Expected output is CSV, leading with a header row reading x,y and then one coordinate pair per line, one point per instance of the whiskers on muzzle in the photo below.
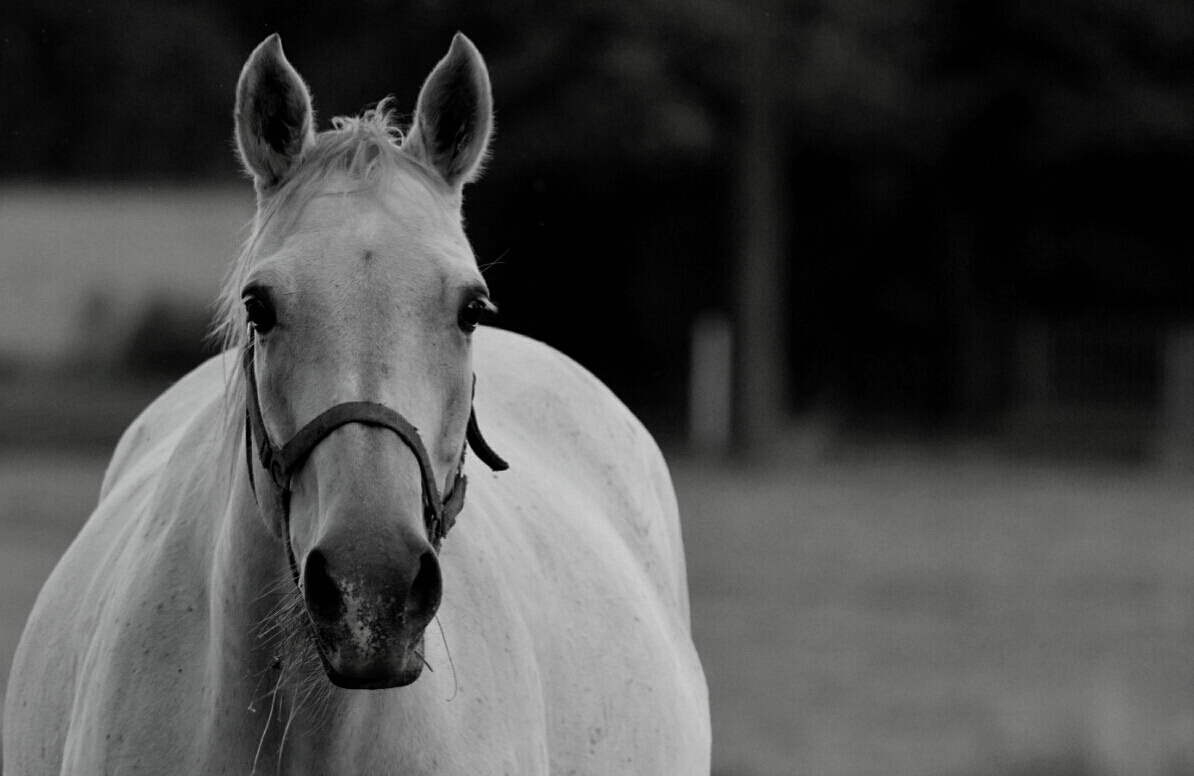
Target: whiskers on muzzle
x,y
294,679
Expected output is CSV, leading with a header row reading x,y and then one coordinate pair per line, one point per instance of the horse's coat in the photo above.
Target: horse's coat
x,y
563,642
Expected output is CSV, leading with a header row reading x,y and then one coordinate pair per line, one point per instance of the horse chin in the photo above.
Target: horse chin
x,y
380,675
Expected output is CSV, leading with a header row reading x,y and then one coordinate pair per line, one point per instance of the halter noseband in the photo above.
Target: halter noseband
x,y
281,462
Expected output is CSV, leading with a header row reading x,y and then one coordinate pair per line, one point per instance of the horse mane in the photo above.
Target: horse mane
x,y
360,147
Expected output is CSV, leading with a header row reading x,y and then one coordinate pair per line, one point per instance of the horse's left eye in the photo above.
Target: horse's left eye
x,y
470,316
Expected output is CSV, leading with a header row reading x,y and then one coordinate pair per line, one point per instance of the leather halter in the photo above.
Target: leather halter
x,y
282,462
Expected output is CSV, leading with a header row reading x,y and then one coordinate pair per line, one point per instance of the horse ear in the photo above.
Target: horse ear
x,y
454,115
274,120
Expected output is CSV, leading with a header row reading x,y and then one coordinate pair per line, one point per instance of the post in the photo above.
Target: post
x,y
1034,364
1175,441
760,353
709,384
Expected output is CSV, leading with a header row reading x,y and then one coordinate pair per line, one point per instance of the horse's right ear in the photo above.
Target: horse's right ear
x,y
274,121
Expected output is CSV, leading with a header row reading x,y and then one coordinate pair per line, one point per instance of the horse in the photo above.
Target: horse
x,y
296,566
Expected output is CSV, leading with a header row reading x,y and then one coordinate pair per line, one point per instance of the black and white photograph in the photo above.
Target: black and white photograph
x,y
652,387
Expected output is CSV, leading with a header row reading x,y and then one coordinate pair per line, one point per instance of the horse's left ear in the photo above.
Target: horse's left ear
x,y
454,116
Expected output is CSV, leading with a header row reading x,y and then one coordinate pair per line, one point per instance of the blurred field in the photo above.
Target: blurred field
x,y
938,614
884,613
66,248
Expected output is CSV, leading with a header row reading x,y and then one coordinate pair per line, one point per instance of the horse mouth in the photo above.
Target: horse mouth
x,y
397,669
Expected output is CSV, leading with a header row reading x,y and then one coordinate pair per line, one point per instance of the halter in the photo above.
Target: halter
x,y
282,462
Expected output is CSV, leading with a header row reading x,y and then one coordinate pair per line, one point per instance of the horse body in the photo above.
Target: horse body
x,y
564,612
175,635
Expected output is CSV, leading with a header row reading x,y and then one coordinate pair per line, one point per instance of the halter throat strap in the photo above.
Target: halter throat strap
x,y
281,462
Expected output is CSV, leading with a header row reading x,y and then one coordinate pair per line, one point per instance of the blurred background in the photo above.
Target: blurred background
x,y
901,286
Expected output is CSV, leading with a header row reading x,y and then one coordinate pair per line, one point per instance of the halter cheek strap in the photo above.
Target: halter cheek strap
x,y
281,463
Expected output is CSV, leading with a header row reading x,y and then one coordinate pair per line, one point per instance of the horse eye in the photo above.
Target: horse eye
x,y
261,313
470,316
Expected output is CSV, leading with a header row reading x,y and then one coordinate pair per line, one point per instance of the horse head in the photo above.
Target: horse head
x,y
359,291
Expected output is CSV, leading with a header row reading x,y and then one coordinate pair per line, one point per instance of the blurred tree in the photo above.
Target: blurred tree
x,y
1043,85
782,74
125,90
953,160
986,91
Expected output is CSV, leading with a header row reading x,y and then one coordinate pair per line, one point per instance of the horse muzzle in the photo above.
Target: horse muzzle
x,y
369,608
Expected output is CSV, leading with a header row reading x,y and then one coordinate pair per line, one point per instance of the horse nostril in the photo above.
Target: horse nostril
x,y
425,590
323,596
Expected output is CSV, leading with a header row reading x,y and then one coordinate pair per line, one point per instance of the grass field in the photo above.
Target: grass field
x,y
884,613
929,614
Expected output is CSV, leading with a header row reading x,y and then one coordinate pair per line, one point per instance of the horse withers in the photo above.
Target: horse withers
x,y
271,581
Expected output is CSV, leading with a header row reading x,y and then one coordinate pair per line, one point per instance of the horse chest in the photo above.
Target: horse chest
x,y
614,679
154,697
560,643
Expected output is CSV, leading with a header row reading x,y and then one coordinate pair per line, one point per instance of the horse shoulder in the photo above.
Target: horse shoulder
x,y
59,650
591,531
543,401
162,422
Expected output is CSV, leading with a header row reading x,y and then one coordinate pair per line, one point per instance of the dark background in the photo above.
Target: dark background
x,y
940,176
950,238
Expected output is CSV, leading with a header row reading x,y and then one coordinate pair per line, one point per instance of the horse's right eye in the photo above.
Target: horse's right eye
x,y
260,312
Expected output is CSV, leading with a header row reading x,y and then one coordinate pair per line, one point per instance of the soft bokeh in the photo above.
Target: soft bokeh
x,y
901,286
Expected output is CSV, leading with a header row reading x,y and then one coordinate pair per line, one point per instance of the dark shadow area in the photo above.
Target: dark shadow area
x,y
958,186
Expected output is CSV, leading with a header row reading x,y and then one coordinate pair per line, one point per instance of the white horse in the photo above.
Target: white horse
x,y
240,605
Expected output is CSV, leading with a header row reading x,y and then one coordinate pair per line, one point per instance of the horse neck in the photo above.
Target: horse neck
x,y
249,569
249,577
